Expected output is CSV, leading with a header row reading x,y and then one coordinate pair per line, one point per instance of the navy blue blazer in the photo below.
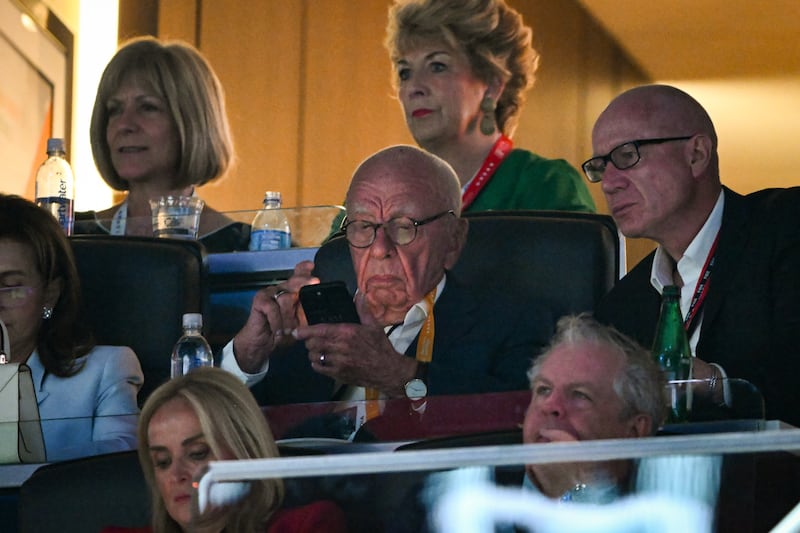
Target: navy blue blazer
x,y
483,343
751,320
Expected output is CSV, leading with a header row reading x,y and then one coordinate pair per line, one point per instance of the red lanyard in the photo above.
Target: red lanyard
x,y
496,156
700,290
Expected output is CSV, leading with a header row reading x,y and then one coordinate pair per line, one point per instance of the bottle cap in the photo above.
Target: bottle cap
x,y
193,320
671,291
272,195
55,144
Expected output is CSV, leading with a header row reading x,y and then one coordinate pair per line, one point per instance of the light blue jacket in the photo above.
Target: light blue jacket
x,y
93,411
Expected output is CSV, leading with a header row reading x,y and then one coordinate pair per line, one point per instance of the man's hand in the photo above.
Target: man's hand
x,y
275,312
357,354
555,479
712,386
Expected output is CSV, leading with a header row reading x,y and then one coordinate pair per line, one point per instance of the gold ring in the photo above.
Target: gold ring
x,y
279,293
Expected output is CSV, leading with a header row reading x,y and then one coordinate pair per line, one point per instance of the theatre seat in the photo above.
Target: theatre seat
x,y
85,495
136,289
564,260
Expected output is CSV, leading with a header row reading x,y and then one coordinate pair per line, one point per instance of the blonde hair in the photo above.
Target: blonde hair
x,y
179,74
233,424
490,33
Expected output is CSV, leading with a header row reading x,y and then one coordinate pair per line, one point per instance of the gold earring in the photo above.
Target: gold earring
x,y
487,124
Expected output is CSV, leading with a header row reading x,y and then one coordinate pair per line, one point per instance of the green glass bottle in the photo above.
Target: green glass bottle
x,y
672,353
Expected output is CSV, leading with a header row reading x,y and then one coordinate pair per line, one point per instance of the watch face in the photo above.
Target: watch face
x,y
416,389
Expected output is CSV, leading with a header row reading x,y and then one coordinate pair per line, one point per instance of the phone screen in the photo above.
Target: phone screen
x,y
328,303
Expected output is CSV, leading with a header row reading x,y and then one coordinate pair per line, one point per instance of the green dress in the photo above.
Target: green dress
x,y
525,180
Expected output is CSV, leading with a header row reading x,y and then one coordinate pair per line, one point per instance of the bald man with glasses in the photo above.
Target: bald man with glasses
x,y
421,332
736,258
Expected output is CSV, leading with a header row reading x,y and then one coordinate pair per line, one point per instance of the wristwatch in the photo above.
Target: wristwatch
x,y
417,388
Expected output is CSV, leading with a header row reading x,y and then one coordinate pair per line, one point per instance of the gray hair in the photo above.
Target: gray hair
x,y
640,385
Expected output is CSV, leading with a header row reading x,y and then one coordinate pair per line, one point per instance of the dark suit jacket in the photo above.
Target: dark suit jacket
x,y
483,343
751,321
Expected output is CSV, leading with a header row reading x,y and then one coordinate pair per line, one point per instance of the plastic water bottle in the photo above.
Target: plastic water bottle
x,y
270,230
55,185
192,350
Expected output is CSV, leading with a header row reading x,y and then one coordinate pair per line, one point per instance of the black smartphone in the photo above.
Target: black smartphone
x,y
328,302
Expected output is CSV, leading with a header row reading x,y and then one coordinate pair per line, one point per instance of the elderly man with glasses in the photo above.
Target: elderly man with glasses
x,y
736,258
421,332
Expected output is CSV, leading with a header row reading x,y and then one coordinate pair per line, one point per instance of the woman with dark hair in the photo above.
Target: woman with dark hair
x,y
86,393
208,415
462,68
159,128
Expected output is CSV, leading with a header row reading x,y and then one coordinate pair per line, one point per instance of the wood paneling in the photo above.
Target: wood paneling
x,y
179,19
137,17
257,52
349,111
309,93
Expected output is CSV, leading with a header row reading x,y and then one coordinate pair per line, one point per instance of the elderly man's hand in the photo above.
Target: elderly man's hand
x,y
275,312
557,479
357,354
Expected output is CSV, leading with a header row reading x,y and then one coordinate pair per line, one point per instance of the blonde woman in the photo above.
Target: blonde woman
x,y
461,70
210,415
159,128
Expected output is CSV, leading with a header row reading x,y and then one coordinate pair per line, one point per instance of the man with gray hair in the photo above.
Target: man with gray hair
x,y
592,382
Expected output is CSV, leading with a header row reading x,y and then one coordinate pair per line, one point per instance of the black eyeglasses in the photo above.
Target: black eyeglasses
x,y
400,230
623,156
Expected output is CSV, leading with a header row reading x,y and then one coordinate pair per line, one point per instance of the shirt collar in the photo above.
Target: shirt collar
x,y
694,258
416,316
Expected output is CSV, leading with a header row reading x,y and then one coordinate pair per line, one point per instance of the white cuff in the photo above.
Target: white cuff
x,y
230,364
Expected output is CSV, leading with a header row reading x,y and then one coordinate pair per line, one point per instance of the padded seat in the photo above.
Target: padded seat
x,y
85,495
135,292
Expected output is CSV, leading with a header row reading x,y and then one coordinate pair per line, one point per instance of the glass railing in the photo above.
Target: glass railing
x,y
310,225
738,481
60,439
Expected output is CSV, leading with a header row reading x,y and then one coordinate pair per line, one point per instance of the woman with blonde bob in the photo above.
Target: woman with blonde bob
x,y
210,415
159,128
461,70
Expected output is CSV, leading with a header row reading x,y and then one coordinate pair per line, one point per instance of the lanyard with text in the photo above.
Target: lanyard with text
x,y
496,156
119,220
691,321
424,344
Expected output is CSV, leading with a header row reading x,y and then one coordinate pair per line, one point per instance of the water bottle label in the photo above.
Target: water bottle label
x,y
269,239
191,362
61,208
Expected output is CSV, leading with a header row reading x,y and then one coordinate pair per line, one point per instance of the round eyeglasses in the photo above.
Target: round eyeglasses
x,y
400,230
623,157
14,296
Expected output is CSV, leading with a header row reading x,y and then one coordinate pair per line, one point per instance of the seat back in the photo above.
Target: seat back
x,y
566,261
85,495
135,291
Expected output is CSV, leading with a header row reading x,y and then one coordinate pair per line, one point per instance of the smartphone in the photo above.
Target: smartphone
x,y
329,303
